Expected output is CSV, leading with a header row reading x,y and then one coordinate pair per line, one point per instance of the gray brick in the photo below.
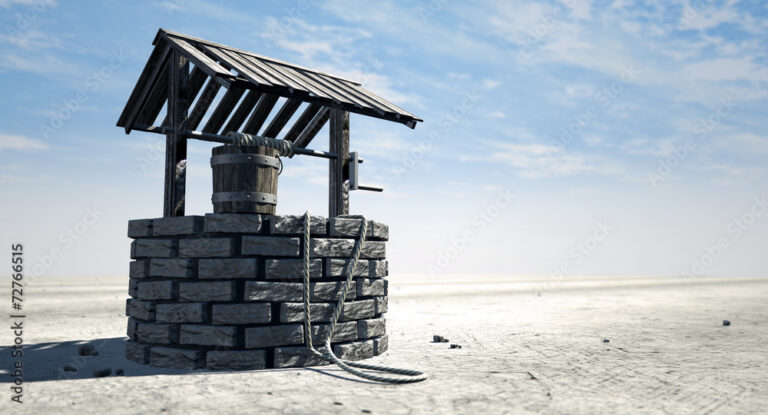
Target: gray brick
x,y
137,352
139,269
371,287
296,356
144,310
232,223
227,268
180,225
207,335
138,228
382,304
270,246
133,286
294,312
235,359
283,335
350,228
172,267
380,269
205,247
172,357
358,310
207,291
337,267
355,350
133,326
292,268
374,327
380,344
342,248
293,292
294,225
252,313
157,248
344,332
157,333
181,313
156,290
320,312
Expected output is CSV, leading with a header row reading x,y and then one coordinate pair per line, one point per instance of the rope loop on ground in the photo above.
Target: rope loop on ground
x,y
405,375
283,147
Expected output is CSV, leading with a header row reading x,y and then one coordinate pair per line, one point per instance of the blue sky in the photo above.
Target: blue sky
x,y
560,138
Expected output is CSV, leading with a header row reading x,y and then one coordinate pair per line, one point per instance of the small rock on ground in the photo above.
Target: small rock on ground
x,y
87,350
726,322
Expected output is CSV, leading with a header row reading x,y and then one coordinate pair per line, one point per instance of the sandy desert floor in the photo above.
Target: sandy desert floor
x,y
528,346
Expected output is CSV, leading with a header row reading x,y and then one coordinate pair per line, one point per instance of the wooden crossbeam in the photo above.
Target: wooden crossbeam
x,y
260,114
137,105
281,118
152,63
222,111
203,103
196,80
242,111
317,123
304,119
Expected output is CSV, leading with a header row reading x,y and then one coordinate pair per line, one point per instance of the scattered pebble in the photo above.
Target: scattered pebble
x,y
87,350
532,376
119,372
338,403
365,411
455,346
69,368
606,341
102,373
726,322
439,339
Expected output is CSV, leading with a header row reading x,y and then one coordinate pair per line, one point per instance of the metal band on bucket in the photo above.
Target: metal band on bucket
x,y
256,197
258,159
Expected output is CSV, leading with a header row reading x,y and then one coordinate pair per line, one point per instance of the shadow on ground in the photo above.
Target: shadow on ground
x,y
61,361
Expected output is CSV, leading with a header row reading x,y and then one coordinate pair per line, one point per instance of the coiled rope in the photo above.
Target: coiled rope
x,y
406,375
283,147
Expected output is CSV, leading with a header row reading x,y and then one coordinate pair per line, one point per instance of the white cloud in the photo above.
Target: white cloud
x,y
31,40
37,3
21,143
535,161
497,114
727,69
491,83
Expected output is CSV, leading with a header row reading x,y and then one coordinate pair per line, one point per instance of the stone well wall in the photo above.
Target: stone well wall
x,y
224,291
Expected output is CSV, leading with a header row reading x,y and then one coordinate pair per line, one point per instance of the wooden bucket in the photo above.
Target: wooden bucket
x,y
244,179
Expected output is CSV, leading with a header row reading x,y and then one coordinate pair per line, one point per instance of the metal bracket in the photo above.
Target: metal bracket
x,y
257,159
256,197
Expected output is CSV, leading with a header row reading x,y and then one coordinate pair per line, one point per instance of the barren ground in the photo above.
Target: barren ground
x,y
668,352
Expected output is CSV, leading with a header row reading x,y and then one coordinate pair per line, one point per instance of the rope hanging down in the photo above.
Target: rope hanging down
x,y
283,147
406,375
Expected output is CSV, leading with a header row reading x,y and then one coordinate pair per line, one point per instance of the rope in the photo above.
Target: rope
x,y
283,147
406,375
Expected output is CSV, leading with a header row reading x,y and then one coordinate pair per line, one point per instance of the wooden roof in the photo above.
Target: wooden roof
x,y
252,86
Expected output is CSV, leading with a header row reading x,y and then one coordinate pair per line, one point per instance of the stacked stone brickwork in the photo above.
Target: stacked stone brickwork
x,y
224,291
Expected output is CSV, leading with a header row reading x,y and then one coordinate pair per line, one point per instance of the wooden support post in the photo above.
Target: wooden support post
x,y
338,187
176,141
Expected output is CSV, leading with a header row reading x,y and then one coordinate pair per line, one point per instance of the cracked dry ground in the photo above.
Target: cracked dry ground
x,y
667,352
